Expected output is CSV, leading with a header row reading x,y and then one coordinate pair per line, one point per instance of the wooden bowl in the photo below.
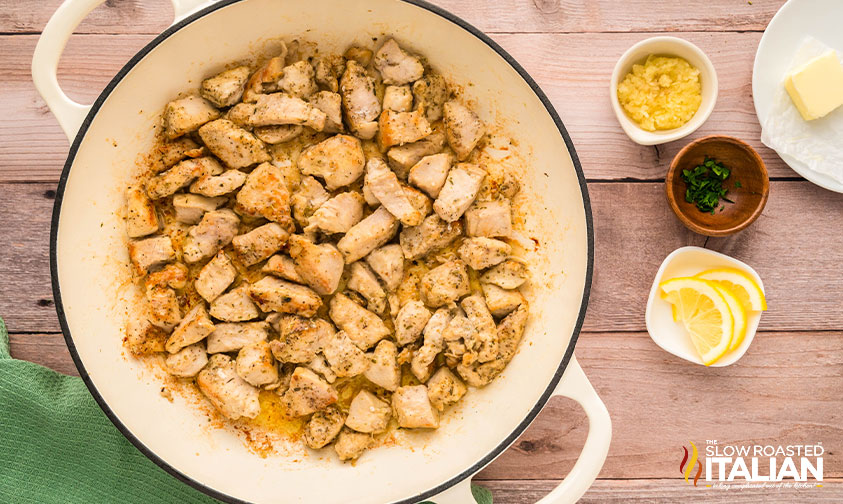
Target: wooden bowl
x,y
746,166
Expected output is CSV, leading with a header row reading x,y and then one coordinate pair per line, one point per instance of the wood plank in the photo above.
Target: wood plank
x,y
49,350
573,69
138,16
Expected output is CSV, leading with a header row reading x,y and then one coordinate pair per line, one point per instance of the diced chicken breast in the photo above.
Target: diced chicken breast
x,y
172,275
509,332
362,326
323,427
307,199
383,369
168,153
226,88
401,158
298,80
338,161
187,362
481,253
281,108
141,218
360,105
459,328
234,306
338,214
396,65
367,413
460,190
230,337
388,263
444,388
410,322
265,79
278,133
351,444
266,195
398,98
260,243
163,307
300,339
215,277
191,207
509,274
444,284
501,301
193,328
321,366
430,172
363,281
143,338
308,393
385,187
187,114
430,93
361,55
181,175
256,365
327,70
273,294
485,341
431,235
331,104
235,146
421,364
418,200
462,128
150,253
345,358
399,128
320,266
214,231
368,234
240,114
284,267
229,393
219,185
413,409
489,218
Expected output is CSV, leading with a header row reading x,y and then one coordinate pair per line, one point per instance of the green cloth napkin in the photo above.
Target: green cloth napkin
x,y
57,446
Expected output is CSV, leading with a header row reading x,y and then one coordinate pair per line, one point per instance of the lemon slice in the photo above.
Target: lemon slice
x,y
704,311
738,314
741,284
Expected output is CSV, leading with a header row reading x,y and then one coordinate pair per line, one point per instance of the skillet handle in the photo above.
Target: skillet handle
x,y
45,59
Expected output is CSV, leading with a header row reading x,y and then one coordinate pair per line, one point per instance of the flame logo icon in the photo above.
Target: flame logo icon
x,y
686,466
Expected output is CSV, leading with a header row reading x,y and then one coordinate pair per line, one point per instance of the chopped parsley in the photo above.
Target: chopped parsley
x,y
705,185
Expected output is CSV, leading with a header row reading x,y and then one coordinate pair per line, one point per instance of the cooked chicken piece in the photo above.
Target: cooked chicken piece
x,y
256,365
337,160
229,393
320,266
272,294
308,393
230,337
430,93
234,306
367,194
350,444
434,342
413,409
509,332
214,231
260,243
360,105
359,54
300,339
298,80
215,277
163,307
235,146
362,326
395,65
501,301
403,157
460,189
226,88
327,70
481,253
150,253
284,267
143,338
219,185
431,235
265,79
186,114
321,366
399,128
489,218
168,153
444,388
265,195
398,98
363,280
410,322
141,218
430,172
172,275
484,344
307,199
463,128
509,274
418,200
285,374
181,175
367,413
191,207
444,284
187,362
345,358
323,427
383,370
338,214
193,328
331,104
459,328
241,114
385,187
388,263
279,133
281,108
368,234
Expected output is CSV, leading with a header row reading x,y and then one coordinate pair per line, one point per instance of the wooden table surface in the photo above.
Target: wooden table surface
x,y
787,389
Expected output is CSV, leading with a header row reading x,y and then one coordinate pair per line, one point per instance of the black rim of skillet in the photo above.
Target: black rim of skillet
x,y
503,444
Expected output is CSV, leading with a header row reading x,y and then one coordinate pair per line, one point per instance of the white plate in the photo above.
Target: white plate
x,y
794,21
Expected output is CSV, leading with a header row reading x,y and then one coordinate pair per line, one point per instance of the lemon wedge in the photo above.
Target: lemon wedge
x,y
704,310
738,314
740,284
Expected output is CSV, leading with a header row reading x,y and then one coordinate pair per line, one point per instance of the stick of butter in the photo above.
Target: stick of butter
x,y
816,87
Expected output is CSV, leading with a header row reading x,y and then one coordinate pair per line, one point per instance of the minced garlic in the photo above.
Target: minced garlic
x,y
663,93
